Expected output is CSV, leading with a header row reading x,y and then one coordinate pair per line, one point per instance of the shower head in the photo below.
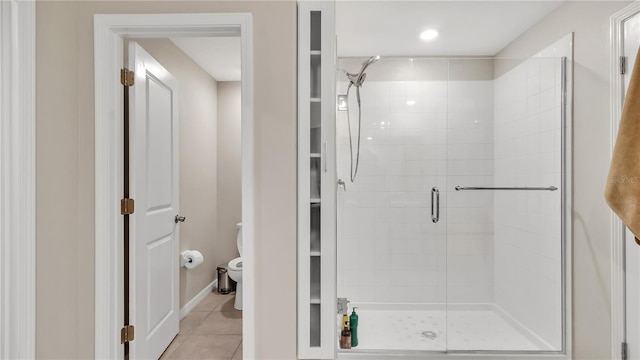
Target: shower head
x,y
370,61
358,78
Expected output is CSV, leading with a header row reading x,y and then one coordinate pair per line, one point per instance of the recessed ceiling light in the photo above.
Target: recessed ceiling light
x,y
429,34
411,102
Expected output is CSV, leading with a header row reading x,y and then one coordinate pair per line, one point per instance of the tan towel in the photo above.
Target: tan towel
x,y
623,185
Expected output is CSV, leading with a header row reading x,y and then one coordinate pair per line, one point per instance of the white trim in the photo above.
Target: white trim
x,y
186,309
108,57
303,273
618,328
108,225
17,180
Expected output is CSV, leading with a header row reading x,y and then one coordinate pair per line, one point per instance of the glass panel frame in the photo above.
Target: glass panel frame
x,y
457,240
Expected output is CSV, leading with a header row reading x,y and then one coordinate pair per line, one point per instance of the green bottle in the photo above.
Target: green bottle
x,y
353,322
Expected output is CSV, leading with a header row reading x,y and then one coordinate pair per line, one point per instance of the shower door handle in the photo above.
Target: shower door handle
x,y
435,204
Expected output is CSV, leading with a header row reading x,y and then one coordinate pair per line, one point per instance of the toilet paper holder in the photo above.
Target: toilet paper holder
x,y
187,259
184,260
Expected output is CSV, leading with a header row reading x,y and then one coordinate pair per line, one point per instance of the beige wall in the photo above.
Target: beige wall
x,y
65,170
198,108
591,240
229,172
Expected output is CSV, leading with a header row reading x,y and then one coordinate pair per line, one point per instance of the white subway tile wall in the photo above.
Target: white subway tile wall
x,y
417,135
470,214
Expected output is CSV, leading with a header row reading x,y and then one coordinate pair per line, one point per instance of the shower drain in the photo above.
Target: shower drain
x,y
429,335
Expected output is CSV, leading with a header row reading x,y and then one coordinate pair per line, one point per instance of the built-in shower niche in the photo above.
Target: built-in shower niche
x,y
315,49
316,30
315,301
315,128
314,178
316,209
315,230
314,330
315,74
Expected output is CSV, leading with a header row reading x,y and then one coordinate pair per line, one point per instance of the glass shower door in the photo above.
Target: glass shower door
x,y
450,237
391,218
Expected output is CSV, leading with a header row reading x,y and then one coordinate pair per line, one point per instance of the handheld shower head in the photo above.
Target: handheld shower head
x,y
370,61
358,78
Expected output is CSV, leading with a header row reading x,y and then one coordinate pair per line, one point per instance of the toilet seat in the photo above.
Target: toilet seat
x,y
239,238
236,264
235,270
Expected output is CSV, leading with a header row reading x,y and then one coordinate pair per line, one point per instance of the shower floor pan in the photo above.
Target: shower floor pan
x,y
464,327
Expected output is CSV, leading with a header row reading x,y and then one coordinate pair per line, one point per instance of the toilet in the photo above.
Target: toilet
x,y
235,270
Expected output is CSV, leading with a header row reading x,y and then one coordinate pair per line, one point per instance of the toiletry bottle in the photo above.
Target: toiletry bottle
x,y
345,322
345,339
353,325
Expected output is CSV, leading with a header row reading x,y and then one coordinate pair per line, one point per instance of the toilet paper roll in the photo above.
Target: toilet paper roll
x,y
192,258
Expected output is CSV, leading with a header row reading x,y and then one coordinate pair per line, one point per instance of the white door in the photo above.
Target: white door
x,y
154,187
632,250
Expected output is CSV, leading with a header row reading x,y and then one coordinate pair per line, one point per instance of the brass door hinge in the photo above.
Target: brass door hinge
x,y
127,206
127,77
127,334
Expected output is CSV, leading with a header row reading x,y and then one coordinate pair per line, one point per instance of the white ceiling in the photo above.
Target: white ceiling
x,y
219,56
467,28
392,28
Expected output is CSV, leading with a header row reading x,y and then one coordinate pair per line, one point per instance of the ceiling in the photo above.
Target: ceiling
x,y
392,28
219,56
467,28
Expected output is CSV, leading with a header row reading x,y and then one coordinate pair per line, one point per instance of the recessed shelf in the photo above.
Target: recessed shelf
x,y
313,260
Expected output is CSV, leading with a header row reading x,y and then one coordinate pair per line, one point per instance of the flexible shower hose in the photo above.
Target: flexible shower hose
x,y
353,172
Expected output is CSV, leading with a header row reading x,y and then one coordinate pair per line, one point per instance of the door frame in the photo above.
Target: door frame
x,y
17,180
109,31
618,229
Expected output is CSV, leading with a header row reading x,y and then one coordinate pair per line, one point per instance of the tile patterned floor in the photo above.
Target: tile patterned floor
x,y
211,331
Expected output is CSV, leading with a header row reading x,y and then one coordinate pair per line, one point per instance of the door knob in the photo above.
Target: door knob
x,y
179,218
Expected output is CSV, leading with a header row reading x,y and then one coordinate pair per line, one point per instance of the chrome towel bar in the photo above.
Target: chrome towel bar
x,y
550,188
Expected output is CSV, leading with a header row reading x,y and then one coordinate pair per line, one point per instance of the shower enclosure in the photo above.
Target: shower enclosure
x,y
451,238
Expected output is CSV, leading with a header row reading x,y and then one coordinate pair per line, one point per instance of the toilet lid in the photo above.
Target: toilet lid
x,y
239,238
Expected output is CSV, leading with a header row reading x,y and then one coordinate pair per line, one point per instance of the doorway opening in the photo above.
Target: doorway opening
x,y
110,34
625,264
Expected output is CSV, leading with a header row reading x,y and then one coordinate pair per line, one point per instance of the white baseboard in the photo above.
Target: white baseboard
x,y
197,299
